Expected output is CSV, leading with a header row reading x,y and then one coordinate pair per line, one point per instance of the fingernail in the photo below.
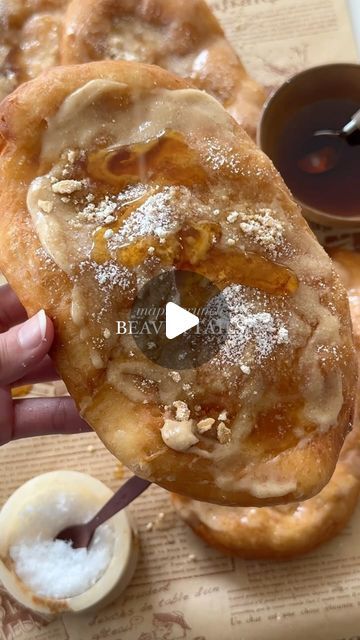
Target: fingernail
x,y
33,332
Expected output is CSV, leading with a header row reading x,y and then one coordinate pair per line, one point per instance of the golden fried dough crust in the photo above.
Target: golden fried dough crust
x,y
347,264
284,531
182,36
30,33
131,149
290,530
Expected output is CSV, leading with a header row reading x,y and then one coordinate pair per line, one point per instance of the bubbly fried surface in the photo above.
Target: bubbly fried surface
x,y
182,36
284,531
30,33
290,530
103,161
347,264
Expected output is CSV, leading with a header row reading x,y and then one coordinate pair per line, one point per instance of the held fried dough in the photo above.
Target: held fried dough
x,y
183,36
30,32
289,530
101,162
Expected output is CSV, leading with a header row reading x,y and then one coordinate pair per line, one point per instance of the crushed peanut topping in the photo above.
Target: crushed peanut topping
x,y
175,375
67,186
233,216
71,156
182,410
223,433
46,205
204,425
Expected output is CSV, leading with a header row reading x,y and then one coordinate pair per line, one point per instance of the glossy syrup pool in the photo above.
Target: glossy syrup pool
x,y
336,191
169,160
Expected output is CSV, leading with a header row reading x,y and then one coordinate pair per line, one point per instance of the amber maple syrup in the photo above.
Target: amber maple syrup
x,y
335,191
169,160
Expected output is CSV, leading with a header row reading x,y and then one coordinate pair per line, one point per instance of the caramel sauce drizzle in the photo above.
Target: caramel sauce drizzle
x,y
168,160
248,269
165,160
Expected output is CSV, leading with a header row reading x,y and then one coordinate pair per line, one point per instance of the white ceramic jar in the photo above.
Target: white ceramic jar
x,y
35,514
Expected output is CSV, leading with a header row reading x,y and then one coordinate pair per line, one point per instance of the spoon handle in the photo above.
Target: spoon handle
x,y
354,124
126,494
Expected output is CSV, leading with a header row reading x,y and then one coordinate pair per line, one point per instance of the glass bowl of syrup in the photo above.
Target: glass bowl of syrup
x,y
324,97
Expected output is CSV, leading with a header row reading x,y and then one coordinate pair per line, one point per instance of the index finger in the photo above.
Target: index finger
x,y
11,310
46,416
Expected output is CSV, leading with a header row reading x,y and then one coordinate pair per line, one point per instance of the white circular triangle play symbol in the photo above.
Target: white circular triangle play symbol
x,y
178,320
166,331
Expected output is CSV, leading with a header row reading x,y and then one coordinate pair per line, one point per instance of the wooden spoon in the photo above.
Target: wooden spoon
x,y
80,535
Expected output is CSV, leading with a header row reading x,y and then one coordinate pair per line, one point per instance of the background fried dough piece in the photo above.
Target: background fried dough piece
x,y
182,36
30,32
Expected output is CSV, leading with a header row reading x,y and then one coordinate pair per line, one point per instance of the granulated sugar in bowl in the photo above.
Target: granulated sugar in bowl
x,y
48,575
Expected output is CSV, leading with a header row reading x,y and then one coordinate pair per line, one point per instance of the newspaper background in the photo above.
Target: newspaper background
x,y
171,595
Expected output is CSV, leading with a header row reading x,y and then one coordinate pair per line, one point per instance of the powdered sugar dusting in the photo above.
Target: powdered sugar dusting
x,y
46,261
111,274
253,332
158,217
220,156
103,212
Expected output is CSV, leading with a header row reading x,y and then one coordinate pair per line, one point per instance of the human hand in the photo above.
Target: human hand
x,y
24,345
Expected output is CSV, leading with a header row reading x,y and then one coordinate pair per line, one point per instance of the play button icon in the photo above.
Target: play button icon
x,y
178,320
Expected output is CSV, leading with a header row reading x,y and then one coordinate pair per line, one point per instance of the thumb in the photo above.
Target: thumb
x,y
24,346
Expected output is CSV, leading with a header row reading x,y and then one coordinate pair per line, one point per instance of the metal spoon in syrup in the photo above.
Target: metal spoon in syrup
x,y
350,132
327,157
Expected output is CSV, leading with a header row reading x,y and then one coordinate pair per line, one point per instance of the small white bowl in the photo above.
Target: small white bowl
x,y
86,493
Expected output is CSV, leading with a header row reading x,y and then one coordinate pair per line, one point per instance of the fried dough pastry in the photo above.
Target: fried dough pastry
x,y
283,531
290,530
348,266
114,172
30,32
182,36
